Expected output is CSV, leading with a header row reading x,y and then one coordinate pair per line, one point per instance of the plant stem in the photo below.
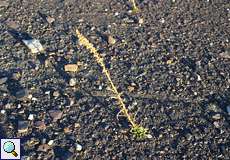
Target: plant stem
x,y
84,41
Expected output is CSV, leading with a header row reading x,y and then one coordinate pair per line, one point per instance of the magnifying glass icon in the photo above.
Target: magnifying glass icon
x,y
9,147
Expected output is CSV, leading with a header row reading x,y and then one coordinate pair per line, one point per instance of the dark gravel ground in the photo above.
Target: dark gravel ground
x,y
171,60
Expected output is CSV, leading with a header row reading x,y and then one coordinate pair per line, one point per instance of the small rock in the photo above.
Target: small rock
x,y
50,143
216,117
71,67
198,77
162,20
3,80
141,21
56,94
216,124
72,82
111,40
50,19
23,126
9,106
34,45
78,147
214,107
100,87
67,130
30,96
4,3
77,125
228,109
31,117
131,88
56,114
149,136
21,93
40,125
12,24
3,111
43,148
225,54
3,88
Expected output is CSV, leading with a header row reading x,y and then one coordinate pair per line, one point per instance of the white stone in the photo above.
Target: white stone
x,y
30,96
50,143
3,111
149,136
198,78
72,82
34,45
162,20
78,147
31,117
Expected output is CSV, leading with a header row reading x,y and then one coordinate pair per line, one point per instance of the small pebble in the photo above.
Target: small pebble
x,y
77,125
4,3
198,78
78,147
47,92
111,40
21,93
3,111
56,94
30,96
50,143
3,80
216,124
149,136
50,19
162,20
8,106
131,88
23,126
225,54
31,117
141,21
228,109
72,82
43,148
216,117
71,68
55,114
40,125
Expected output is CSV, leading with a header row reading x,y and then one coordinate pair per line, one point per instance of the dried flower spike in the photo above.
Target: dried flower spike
x,y
138,131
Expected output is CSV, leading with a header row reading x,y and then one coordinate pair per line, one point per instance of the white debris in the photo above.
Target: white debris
x,y
72,82
50,143
162,20
30,96
3,111
149,136
78,147
31,117
34,45
198,77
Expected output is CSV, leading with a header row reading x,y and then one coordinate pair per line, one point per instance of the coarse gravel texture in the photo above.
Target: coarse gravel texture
x,y
171,61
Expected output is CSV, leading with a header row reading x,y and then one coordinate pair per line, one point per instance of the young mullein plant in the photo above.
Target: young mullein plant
x,y
138,131
135,8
